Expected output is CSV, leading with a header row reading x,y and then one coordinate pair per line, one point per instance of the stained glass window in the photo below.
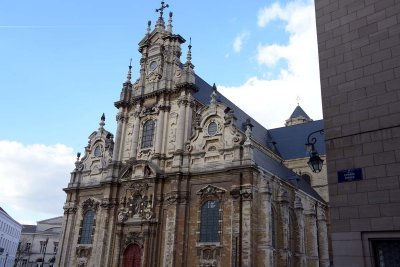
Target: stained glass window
x,y
209,223
87,228
148,134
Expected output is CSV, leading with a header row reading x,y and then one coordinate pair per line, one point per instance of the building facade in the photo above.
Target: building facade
x,y
359,57
10,231
39,243
190,179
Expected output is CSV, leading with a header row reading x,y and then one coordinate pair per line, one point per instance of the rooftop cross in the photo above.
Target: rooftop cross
x,y
161,9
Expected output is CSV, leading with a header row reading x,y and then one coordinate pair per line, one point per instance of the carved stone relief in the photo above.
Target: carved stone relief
x,y
134,237
136,203
90,203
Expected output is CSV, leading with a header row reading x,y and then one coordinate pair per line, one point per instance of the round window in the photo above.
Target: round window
x,y
212,128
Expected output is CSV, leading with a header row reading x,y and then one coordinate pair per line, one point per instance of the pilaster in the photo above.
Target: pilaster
x,y
300,256
135,134
312,238
247,231
322,237
265,249
283,200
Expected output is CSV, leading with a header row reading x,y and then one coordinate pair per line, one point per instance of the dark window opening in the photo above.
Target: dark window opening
x,y
209,223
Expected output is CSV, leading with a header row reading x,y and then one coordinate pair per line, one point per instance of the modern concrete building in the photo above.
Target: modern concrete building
x,y
191,179
10,231
359,56
38,245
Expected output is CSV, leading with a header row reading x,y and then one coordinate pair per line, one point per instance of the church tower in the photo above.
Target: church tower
x,y
190,179
298,116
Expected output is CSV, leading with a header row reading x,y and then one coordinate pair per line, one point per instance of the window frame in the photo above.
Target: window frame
x,y
210,227
87,228
147,139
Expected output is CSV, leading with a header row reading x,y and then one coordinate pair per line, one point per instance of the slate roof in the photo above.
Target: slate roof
x,y
259,133
291,140
299,112
275,139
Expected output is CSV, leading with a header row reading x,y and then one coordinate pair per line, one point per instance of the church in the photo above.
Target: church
x,y
189,179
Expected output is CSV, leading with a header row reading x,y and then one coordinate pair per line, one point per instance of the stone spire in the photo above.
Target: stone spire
x,y
129,75
169,27
189,53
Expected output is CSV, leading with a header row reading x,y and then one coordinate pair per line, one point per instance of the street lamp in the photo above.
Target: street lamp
x,y
315,162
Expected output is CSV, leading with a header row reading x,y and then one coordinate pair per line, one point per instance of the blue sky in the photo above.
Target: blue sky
x,y
62,64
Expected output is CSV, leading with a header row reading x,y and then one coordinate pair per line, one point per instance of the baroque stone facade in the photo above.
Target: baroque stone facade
x,y
190,179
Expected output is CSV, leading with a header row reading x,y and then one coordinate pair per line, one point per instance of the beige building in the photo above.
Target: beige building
x,y
359,57
39,243
190,179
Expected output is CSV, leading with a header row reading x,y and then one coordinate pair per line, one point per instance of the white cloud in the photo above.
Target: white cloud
x,y
32,178
271,101
239,41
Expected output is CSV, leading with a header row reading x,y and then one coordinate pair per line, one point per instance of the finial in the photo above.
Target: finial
x,y
129,76
213,100
102,122
161,9
298,100
148,27
77,162
169,27
189,54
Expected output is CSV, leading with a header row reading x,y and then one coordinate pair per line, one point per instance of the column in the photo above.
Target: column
x,y
117,144
135,134
180,130
160,130
188,119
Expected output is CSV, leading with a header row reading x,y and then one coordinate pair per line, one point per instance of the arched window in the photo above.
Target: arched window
x,y
132,256
87,227
209,222
148,134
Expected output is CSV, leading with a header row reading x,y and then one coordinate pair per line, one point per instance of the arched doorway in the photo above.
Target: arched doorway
x,y
132,256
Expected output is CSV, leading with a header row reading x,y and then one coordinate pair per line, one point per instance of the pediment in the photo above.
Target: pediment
x,y
139,170
211,190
